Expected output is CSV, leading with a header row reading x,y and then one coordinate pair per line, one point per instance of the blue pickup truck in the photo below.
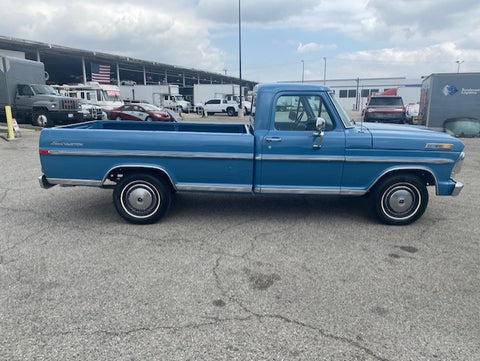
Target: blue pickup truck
x,y
300,142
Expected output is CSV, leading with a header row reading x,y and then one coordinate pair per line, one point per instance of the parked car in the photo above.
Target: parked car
x,y
141,111
385,109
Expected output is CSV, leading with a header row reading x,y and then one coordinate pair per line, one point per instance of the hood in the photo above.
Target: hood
x,y
408,137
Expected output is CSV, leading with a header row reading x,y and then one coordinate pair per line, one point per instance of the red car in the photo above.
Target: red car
x,y
140,111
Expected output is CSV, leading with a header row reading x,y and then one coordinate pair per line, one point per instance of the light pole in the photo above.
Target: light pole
x,y
324,70
458,65
303,71
240,107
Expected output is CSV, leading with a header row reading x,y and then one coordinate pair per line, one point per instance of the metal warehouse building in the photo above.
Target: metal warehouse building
x,y
66,65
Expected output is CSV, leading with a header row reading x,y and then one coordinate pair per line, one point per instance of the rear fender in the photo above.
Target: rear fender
x,y
129,169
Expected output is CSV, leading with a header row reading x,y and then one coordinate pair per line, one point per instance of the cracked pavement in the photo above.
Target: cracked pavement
x,y
233,277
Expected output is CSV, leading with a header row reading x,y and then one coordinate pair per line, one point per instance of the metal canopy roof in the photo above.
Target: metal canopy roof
x,y
69,58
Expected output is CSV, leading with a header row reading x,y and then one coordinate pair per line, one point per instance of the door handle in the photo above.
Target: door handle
x,y
273,139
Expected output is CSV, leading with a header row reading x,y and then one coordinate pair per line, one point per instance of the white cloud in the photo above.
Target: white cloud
x,y
410,62
313,47
146,30
253,11
371,37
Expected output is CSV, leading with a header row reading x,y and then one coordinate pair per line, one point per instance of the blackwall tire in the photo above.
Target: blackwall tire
x,y
400,199
141,198
231,112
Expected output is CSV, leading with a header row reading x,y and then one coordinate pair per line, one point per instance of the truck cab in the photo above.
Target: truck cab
x,y
176,102
45,106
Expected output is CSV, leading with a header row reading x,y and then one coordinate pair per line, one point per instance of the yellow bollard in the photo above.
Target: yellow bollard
x,y
8,112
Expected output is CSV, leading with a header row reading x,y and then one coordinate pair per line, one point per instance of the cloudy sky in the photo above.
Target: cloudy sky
x,y
358,38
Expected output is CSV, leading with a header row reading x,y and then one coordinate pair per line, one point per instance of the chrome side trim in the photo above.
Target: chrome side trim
x,y
155,154
198,187
306,158
310,190
74,182
354,159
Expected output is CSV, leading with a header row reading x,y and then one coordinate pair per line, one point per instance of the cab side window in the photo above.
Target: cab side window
x,y
24,90
300,113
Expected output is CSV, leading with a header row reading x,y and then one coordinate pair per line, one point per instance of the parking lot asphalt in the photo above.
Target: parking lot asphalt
x,y
230,277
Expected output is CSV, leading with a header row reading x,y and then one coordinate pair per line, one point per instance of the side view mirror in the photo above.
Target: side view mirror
x,y
319,132
320,124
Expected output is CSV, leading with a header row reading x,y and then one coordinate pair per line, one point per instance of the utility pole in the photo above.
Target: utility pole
x,y
303,71
458,65
325,71
240,107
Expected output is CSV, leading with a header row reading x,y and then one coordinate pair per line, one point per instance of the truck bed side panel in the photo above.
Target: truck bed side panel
x,y
193,160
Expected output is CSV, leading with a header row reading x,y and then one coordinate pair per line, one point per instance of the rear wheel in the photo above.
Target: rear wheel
x,y
148,119
400,199
141,198
118,117
231,112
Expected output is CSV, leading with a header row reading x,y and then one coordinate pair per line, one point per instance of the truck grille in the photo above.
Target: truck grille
x,y
68,104
96,113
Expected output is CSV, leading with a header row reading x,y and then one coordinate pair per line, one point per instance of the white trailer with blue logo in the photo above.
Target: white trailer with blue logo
x,y
450,102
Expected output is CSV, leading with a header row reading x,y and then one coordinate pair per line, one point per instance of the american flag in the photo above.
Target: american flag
x,y
100,73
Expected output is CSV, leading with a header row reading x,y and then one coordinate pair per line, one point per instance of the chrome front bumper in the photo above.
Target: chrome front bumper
x,y
458,188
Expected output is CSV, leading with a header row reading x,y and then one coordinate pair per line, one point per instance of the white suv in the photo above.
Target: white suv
x,y
213,106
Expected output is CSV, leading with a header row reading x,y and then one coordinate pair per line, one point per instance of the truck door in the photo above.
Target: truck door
x,y
294,157
24,99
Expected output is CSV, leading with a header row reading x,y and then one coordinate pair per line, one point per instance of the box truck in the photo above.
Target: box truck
x,y
450,102
166,96
22,86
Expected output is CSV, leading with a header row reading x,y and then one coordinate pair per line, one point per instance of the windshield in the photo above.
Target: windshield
x,y
386,101
44,89
179,98
151,107
112,95
343,115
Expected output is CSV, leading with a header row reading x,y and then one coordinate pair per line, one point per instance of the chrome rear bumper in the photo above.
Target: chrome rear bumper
x,y
44,182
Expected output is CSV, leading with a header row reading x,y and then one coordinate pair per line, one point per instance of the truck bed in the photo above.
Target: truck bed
x,y
192,154
162,126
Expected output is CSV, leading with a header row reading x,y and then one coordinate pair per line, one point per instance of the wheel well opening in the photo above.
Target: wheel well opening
x,y
424,175
114,176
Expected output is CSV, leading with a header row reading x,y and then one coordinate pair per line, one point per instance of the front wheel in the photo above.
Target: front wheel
x,y
231,112
400,199
41,118
141,198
